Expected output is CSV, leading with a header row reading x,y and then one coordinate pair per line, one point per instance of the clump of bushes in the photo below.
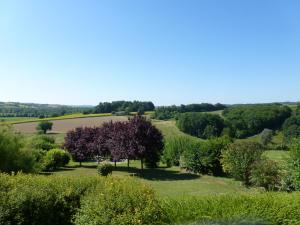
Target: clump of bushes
x,y
121,202
55,159
104,169
202,125
267,208
291,128
43,142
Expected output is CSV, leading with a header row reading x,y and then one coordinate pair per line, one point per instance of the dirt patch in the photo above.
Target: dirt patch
x,y
63,126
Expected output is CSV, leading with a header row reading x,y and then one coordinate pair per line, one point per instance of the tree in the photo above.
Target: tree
x,y
146,141
266,136
78,143
14,154
239,157
294,164
44,126
291,127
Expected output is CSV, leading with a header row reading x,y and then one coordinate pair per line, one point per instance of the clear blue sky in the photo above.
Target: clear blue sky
x,y
167,51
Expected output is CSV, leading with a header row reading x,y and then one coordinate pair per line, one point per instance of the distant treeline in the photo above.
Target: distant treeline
x,y
168,112
247,120
15,109
126,106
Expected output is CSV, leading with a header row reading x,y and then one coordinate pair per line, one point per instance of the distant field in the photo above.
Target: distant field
x,y
64,125
15,119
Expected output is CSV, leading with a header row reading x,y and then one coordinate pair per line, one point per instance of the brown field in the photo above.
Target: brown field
x,y
63,126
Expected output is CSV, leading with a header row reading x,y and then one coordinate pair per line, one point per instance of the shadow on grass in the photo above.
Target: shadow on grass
x,y
157,174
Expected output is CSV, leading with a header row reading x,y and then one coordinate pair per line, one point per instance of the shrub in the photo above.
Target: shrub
x,y
294,164
121,202
202,125
46,200
56,158
104,169
266,208
239,157
14,155
266,173
43,142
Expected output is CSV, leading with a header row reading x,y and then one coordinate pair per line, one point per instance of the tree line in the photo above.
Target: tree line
x,y
168,112
134,139
126,106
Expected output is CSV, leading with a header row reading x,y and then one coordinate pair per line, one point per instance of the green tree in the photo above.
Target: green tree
x,y
239,157
44,126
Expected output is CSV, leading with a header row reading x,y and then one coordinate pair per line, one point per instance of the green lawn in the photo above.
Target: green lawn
x,y
167,182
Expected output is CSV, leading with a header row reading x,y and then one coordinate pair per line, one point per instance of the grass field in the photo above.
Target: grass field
x,y
167,182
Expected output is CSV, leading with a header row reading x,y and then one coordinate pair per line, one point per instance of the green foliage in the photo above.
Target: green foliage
x,y
121,202
44,126
117,106
266,136
205,157
55,158
104,169
202,125
14,155
267,208
43,142
247,120
294,165
41,200
174,149
266,173
291,127
239,157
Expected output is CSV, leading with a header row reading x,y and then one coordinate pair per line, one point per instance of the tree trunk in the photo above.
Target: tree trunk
x,y
115,164
80,163
142,164
128,163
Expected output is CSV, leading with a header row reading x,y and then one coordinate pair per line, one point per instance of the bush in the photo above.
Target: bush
x,y
104,169
294,164
14,155
266,173
121,202
267,208
239,157
41,200
43,142
202,125
56,158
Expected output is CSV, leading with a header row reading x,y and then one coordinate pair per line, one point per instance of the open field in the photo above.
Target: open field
x,y
167,182
63,126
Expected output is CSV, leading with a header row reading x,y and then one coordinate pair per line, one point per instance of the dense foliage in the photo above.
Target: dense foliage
x,y
202,125
205,157
247,120
116,106
236,209
168,112
43,142
14,154
136,138
55,200
15,109
239,158
121,202
291,127
294,165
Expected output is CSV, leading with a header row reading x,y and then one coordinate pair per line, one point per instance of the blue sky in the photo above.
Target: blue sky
x,y
167,51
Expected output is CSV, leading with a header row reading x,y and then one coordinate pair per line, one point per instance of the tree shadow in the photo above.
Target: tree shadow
x,y
159,174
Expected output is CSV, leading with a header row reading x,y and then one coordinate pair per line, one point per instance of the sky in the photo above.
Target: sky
x,y
166,51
